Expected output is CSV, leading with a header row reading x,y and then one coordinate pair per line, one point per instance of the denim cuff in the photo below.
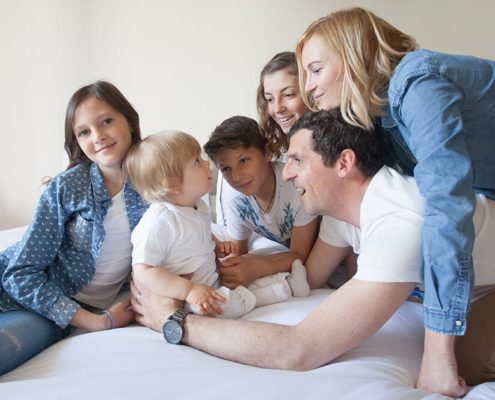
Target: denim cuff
x,y
448,323
63,311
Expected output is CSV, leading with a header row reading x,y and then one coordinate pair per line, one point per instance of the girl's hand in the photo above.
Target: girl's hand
x,y
205,299
223,249
237,271
122,314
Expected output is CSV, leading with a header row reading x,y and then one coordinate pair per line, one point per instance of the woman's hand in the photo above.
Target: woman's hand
x,y
439,367
237,271
206,300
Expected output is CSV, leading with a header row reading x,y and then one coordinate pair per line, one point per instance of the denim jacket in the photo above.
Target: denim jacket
x,y
56,257
440,125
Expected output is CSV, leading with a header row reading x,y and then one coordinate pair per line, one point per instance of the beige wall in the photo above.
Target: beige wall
x,y
183,64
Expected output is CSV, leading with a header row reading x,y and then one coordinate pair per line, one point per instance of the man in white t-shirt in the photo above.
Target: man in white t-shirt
x,y
338,171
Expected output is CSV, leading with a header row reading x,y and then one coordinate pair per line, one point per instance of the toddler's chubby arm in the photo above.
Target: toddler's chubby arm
x,y
167,284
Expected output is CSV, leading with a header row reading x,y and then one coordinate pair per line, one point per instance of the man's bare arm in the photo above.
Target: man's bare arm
x,y
322,261
345,319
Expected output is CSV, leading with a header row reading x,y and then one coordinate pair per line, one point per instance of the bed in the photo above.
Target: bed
x,y
136,363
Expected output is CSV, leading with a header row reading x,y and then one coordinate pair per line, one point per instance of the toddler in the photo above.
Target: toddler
x,y
173,240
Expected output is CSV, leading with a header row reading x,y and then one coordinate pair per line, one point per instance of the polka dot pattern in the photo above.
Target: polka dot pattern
x,y
56,257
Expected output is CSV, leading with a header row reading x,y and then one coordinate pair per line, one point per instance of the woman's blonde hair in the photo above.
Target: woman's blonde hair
x,y
370,49
155,166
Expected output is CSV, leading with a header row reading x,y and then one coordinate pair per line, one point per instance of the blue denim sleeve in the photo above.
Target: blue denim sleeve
x,y
429,108
26,278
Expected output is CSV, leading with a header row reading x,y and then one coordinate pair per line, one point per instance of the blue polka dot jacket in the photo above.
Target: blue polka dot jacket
x,y
56,257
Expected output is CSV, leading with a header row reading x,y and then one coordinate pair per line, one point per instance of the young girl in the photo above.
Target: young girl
x,y
265,205
279,105
435,113
75,256
174,236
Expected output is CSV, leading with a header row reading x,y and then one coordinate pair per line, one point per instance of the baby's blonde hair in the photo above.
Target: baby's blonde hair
x,y
370,49
155,166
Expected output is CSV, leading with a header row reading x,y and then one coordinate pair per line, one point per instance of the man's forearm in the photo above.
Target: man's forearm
x,y
248,342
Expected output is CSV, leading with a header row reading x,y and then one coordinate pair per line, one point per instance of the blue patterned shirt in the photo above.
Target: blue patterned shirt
x,y
244,216
56,257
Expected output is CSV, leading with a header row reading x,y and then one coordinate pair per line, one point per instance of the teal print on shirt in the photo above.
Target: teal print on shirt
x,y
285,228
250,216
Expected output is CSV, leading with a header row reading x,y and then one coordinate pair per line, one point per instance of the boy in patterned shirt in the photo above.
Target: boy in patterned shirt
x,y
265,204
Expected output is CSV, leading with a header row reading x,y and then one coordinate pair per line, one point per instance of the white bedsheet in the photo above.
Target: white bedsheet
x,y
136,363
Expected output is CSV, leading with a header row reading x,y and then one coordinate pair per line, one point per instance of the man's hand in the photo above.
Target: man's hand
x,y
237,271
206,300
151,309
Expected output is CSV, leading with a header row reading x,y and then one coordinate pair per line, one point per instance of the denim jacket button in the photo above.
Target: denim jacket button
x,y
458,323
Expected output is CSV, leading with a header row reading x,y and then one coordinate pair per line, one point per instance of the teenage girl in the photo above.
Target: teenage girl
x,y
75,256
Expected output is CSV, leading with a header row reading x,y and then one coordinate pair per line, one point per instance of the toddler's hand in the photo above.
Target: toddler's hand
x,y
205,299
223,249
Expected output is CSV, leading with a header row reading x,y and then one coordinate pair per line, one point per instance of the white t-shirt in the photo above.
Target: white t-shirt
x,y
114,260
389,243
390,238
177,238
244,215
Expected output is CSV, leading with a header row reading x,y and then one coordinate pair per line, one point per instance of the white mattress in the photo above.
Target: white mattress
x,y
136,363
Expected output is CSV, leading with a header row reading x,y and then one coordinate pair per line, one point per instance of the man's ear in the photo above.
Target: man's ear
x,y
346,162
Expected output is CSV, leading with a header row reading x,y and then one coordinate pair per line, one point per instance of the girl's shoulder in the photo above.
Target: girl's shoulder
x,y
74,179
79,171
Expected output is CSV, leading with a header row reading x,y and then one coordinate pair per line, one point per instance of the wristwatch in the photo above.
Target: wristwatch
x,y
173,328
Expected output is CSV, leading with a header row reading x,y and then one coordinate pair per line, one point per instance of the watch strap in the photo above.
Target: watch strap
x,y
179,315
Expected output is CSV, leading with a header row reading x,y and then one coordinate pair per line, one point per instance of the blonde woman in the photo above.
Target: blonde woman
x,y
436,111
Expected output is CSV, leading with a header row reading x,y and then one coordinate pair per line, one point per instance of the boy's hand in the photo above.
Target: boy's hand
x,y
236,271
223,249
205,299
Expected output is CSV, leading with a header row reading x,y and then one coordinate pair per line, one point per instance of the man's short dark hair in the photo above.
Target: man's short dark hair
x,y
332,135
233,133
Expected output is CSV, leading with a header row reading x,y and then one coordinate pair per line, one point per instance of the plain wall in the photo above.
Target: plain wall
x,y
183,64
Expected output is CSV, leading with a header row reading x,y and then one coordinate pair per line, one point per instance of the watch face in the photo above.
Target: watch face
x,y
172,331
